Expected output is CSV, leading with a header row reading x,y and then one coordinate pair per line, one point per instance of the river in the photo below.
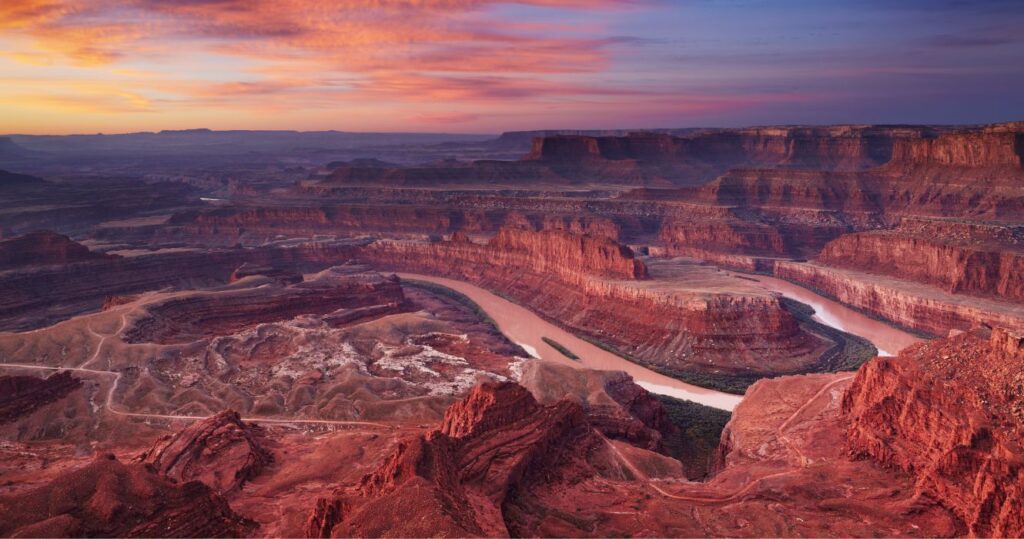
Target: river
x,y
886,338
526,328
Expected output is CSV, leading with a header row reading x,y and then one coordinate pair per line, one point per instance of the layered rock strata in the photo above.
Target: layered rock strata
x,y
950,413
187,316
951,256
597,287
907,303
474,475
220,451
21,395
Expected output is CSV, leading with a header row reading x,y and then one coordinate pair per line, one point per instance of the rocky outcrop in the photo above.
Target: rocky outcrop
x,y
111,499
950,413
43,248
221,451
21,395
722,235
495,451
614,404
327,514
561,254
190,315
566,254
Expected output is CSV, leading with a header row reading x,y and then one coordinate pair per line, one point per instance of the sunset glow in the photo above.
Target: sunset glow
x,y
487,66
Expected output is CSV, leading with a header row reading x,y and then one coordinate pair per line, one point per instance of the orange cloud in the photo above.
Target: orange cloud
x,y
309,53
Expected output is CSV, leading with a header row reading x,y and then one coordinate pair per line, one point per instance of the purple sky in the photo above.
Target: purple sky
x,y
490,66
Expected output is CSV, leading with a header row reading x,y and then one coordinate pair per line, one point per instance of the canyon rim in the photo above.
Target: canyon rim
x,y
511,268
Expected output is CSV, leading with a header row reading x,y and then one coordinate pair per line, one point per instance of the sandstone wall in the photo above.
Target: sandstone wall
x,y
585,284
1000,146
951,414
956,267
934,313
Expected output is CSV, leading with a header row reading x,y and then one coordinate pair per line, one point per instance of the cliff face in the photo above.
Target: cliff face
x,y
722,235
906,303
838,147
994,147
227,226
592,285
220,451
563,252
958,266
950,413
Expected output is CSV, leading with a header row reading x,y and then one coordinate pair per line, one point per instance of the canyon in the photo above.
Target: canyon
x,y
764,331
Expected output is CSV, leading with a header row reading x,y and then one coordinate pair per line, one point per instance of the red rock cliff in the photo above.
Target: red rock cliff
x,y
951,413
991,147
592,285
957,264
563,252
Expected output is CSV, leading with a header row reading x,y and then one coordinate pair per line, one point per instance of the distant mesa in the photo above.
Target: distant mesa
x,y
197,131
44,248
363,162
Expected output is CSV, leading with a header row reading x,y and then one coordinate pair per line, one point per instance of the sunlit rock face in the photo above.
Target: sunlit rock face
x,y
950,413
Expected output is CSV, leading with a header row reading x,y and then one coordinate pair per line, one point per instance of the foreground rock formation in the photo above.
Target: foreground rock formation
x,y
220,451
480,472
110,498
950,413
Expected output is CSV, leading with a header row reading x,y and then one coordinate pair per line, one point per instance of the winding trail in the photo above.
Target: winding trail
x,y
731,497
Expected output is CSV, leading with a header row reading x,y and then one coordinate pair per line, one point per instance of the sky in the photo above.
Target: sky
x,y
487,66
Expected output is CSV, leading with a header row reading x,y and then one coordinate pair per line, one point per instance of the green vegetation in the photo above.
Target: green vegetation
x,y
459,297
696,441
735,384
561,349
848,353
